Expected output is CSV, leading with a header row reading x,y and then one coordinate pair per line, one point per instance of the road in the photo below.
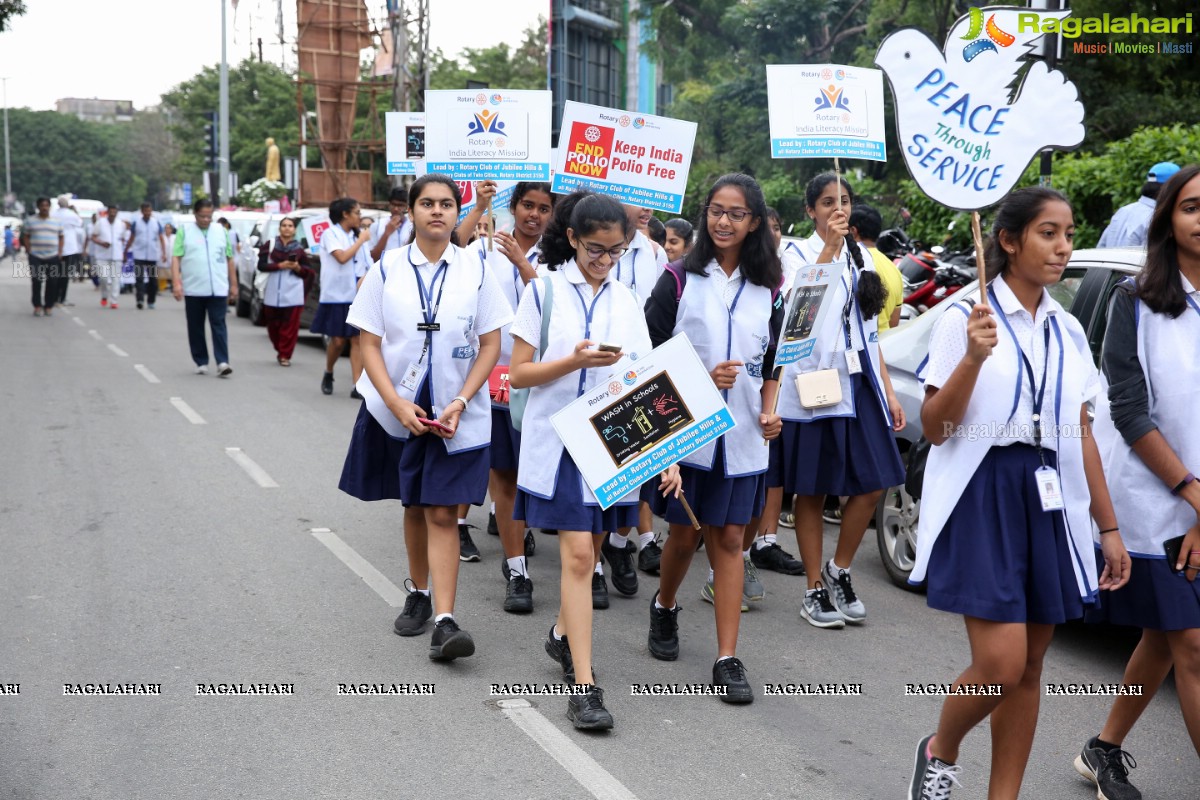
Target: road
x,y
161,527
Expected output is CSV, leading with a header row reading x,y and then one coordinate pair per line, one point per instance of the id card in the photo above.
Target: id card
x,y
412,376
853,364
1049,489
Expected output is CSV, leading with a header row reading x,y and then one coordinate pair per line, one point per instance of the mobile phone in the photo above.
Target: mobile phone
x,y
1172,548
604,347
433,423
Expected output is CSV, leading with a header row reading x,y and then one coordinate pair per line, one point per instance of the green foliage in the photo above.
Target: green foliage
x,y
8,10
499,66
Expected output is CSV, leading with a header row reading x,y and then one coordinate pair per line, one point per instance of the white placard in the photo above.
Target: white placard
x,y
498,134
808,307
825,111
967,130
626,430
640,159
504,190
405,135
314,227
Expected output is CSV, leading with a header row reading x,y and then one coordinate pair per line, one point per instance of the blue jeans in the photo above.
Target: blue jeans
x,y
214,308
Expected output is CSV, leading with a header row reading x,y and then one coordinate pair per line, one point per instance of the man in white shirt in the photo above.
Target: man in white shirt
x,y
396,230
148,244
109,236
72,229
1129,225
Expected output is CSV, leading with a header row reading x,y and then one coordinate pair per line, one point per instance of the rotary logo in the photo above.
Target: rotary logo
x,y
592,134
826,74
481,98
623,121
614,388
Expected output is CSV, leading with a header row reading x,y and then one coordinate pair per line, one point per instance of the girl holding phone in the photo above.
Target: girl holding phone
x,y
724,298
1005,529
430,316
586,305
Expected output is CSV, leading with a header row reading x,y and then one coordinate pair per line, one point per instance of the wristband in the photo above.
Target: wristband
x,y
1183,484
462,400
1109,530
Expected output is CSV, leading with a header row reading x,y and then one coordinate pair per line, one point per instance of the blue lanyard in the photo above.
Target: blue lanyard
x,y
1192,302
1038,391
518,282
587,327
729,327
429,309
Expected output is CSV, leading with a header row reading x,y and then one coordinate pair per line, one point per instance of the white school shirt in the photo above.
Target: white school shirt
x,y
338,281
115,234
399,237
641,266
508,277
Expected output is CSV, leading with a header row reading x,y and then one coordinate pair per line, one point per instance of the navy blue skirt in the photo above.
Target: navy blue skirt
x,y
506,440
417,471
715,499
1000,556
842,456
565,511
774,476
1156,597
330,320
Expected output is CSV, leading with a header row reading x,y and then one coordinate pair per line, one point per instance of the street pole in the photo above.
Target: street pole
x,y
223,125
7,166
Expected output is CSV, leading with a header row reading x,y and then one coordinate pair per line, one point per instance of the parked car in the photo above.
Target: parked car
x,y
1085,289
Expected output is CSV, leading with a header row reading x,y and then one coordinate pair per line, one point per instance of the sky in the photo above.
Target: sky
x,y
138,49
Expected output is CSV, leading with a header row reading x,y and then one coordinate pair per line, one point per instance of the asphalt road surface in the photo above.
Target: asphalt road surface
x,y
161,527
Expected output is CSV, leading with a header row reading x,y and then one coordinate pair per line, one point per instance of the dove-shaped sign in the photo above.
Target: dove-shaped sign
x,y
967,127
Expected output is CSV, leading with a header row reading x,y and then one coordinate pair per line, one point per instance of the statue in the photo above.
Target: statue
x,y
273,173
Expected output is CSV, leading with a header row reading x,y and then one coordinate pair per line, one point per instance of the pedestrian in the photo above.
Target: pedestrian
x,y
202,274
148,244
430,316
1005,529
866,224
679,238
8,241
657,233
840,447
164,265
562,317
513,263
341,268
233,235
109,235
91,250
288,279
1128,226
726,300
395,231
43,238
1150,445
72,245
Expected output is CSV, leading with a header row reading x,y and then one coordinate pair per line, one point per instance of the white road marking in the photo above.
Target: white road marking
x,y
95,335
392,594
582,767
78,322
252,469
118,351
147,374
187,411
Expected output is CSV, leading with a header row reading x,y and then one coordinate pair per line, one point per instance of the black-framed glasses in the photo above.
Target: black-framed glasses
x,y
734,214
594,251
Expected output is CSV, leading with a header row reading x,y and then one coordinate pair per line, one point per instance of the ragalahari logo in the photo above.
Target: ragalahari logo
x,y
832,97
995,36
485,122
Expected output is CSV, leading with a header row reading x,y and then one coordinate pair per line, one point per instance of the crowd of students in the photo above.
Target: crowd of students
x,y
466,352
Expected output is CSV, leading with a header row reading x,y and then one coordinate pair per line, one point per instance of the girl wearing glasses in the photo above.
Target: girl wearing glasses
x,y
724,298
584,306
844,448
430,316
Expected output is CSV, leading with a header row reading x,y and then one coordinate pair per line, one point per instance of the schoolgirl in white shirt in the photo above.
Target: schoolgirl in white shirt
x,y
344,260
513,261
725,298
430,316
586,306
643,262
1151,447
843,449
1005,529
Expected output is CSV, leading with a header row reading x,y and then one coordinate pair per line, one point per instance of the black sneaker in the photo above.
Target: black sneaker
x,y
560,651
354,395
650,558
620,559
776,559
832,511
599,591
550,531
663,641
467,551
493,528
587,711
450,642
1108,770
530,544
418,608
518,595
327,383
731,673
932,778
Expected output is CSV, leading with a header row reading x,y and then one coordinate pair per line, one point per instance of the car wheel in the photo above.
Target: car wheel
x,y
256,311
243,305
896,531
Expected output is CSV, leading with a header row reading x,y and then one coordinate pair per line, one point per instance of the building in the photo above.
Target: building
x,y
95,109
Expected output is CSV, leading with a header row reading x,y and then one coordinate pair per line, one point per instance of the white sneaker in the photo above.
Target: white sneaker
x,y
202,369
841,592
224,370
819,611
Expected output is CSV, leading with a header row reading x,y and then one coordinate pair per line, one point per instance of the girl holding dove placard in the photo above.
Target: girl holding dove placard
x,y
724,296
572,329
1005,530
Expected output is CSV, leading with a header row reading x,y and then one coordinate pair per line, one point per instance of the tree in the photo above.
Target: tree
x,y
499,66
8,10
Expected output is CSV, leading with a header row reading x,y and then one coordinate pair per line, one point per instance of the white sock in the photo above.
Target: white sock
x,y
710,575
645,539
492,508
617,540
761,542
517,566
660,605
424,592
441,617
746,554
558,637
833,568
462,520
599,568
722,658
769,538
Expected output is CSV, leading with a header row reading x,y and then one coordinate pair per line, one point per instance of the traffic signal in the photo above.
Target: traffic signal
x,y
210,139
